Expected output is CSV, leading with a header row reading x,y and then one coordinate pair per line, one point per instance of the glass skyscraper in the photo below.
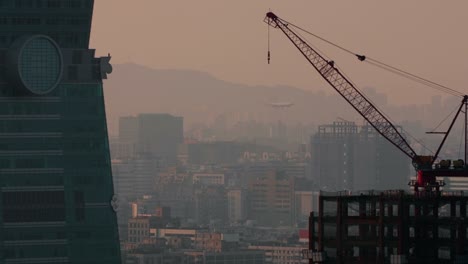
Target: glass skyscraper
x,y
57,202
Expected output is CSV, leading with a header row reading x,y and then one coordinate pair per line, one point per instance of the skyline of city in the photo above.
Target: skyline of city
x,y
215,142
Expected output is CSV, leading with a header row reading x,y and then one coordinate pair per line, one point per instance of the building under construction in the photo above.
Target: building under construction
x,y
389,227
347,156
427,225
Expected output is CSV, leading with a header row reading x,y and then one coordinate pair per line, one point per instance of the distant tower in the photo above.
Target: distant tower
x,y
280,108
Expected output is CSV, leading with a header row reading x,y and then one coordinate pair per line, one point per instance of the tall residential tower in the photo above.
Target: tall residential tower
x,y
346,156
56,195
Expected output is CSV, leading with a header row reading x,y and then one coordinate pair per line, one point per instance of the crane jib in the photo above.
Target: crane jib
x,y
427,173
344,87
327,69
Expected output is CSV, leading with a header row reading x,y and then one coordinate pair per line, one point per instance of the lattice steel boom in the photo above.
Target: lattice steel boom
x,y
345,88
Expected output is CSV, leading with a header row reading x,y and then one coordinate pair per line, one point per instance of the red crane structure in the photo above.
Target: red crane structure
x,y
427,170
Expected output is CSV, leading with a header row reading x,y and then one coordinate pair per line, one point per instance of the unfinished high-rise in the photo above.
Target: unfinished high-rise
x,y
346,156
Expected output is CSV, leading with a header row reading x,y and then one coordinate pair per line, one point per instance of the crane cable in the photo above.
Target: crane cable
x,y
445,119
361,58
385,66
268,54
414,78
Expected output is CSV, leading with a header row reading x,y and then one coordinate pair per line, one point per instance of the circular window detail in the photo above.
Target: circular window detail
x,y
37,63
40,64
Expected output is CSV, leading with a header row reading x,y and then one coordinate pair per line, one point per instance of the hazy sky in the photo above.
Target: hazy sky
x,y
229,40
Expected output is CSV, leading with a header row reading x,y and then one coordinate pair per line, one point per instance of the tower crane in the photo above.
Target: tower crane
x,y
427,170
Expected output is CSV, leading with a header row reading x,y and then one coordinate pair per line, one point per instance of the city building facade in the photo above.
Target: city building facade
x,y
346,156
208,178
57,199
275,254
304,203
236,205
271,199
153,134
210,204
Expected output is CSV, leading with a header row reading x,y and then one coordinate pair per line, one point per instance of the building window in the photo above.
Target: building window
x,y
40,65
74,3
79,206
96,72
30,163
4,163
53,3
23,3
72,73
77,57
33,206
23,21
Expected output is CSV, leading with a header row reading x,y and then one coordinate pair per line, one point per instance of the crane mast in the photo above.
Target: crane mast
x,y
346,89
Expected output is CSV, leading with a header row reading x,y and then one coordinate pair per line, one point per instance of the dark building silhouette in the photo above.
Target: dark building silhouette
x,y
128,128
153,135
134,178
271,199
210,204
346,156
218,152
56,194
390,227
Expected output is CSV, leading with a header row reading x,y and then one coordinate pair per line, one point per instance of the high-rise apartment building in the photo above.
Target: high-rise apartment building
x,y
271,199
346,156
236,205
304,203
153,135
210,204
56,191
134,178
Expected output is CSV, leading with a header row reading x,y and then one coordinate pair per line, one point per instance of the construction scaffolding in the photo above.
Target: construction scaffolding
x,y
390,227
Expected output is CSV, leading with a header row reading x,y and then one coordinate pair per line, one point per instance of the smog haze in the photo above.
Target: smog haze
x,y
229,40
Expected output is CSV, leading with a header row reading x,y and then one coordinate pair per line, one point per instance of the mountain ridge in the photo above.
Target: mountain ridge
x,y
200,98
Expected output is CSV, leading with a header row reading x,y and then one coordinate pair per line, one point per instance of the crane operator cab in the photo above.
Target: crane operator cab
x,y
427,172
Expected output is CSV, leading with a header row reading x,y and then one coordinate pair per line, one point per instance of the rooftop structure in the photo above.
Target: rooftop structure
x,y
391,227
